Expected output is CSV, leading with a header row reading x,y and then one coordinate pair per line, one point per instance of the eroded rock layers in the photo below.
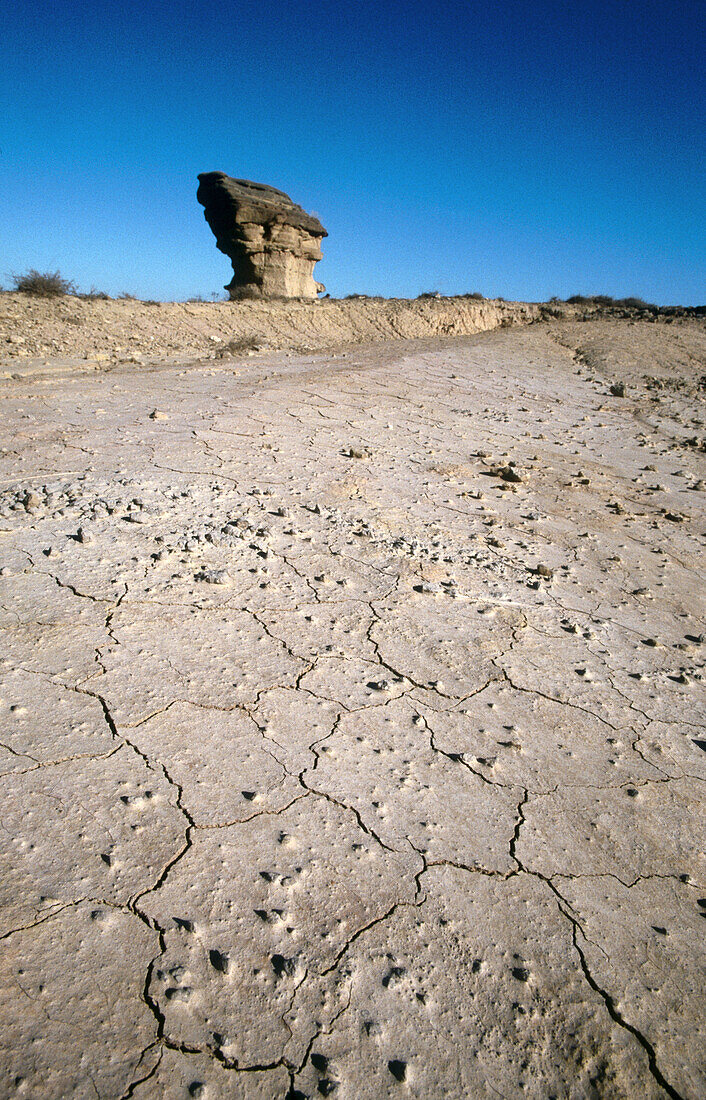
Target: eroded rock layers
x,y
272,243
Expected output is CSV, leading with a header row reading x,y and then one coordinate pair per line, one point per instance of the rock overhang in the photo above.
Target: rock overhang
x,y
272,242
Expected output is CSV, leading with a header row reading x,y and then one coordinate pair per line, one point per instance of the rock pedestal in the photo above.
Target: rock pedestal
x,y
272,243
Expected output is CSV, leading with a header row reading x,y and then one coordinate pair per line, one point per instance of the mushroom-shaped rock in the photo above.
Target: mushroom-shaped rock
x,y
272,243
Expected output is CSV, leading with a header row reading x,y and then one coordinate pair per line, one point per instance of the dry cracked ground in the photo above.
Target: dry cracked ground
x,y
352,720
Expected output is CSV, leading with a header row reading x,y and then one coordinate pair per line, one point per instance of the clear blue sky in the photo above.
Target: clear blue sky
x,y
518,148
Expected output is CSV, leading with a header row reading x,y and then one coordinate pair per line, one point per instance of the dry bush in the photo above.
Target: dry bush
x,y
240,344
591,300
635,303
94,295
43,284
606,301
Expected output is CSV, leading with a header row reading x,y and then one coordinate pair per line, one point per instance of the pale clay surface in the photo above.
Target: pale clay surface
x,y
314,782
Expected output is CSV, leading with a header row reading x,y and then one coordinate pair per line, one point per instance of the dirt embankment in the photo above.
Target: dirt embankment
x,y
126,329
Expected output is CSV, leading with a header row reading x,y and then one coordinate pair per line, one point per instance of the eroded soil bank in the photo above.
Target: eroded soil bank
x,y
98,331
353,721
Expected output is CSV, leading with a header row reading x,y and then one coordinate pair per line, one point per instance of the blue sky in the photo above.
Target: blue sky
x,y
522,149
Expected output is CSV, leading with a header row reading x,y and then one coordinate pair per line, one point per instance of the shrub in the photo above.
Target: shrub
x,y
240,344
47,284
429,294
606,300
476,296
635,303
133,298
95,295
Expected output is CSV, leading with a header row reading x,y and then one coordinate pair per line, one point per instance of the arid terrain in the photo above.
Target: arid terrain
x,y
353,701
88,334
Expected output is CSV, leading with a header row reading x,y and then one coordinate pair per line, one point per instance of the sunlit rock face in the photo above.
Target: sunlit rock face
x,y
272,243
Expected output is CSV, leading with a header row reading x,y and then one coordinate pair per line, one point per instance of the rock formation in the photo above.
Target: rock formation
x,y
272,243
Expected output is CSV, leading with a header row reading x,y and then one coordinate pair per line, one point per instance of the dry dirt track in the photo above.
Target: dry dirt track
x,y
335,762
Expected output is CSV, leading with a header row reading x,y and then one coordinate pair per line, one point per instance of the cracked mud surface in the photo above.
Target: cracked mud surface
x,y
352,723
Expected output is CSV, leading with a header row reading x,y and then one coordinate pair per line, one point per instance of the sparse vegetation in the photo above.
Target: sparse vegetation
x,y
636,303
43,284
240,344
429,294
606,300
94,295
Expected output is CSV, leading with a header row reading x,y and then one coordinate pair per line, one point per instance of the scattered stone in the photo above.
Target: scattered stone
x,y
295,788
398,1069
507,473
212,576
